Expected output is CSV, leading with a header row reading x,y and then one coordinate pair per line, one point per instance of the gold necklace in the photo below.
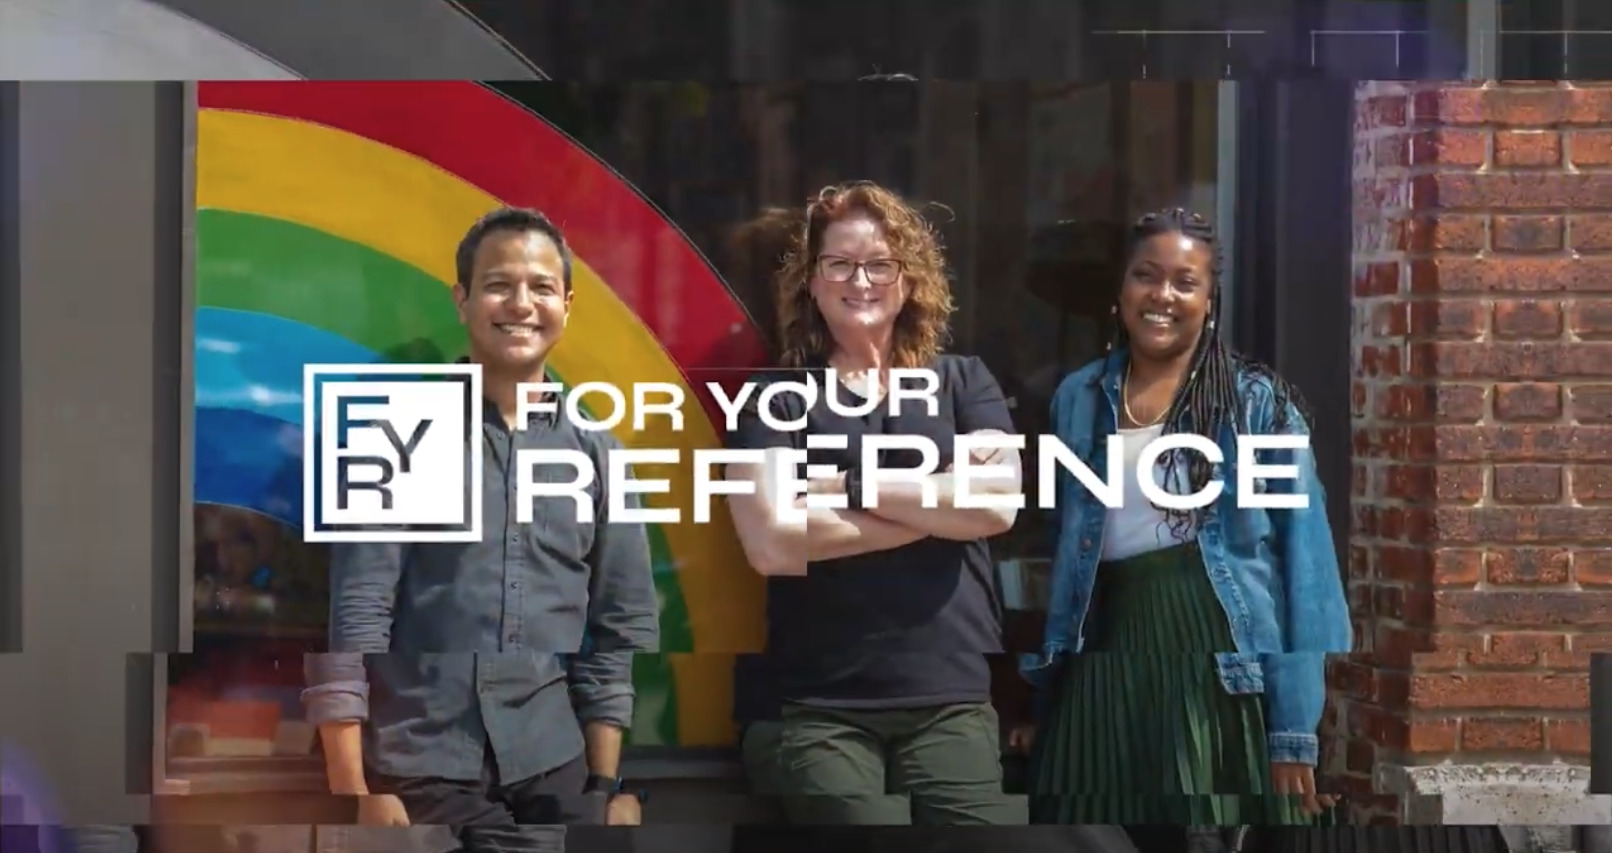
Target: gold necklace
x,y
1125,402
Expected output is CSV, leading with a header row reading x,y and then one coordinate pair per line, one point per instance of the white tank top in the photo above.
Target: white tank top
x,y
1137,526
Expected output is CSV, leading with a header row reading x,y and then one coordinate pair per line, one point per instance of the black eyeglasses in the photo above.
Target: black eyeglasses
x,y
881,271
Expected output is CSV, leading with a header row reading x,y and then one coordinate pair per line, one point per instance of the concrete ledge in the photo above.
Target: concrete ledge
x,y
1537,805
1506,794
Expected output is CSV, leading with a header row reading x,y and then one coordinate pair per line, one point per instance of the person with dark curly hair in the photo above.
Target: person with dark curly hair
x,y
881,614
1181,678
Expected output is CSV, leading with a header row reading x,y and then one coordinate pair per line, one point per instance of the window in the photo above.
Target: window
x,y
1039,181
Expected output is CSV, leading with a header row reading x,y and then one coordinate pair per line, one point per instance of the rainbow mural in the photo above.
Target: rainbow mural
x,y
327,218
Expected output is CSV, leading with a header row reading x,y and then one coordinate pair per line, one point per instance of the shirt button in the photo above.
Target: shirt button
x,y
1085,543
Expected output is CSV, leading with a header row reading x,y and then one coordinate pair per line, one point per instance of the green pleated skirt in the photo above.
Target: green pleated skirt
x,y
1140,730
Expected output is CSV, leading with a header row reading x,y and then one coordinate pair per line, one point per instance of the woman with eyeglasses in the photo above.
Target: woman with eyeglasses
x,y
882,616
1182,673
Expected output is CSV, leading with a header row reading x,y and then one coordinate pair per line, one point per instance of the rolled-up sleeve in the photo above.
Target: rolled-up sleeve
x,y
363,589
623,615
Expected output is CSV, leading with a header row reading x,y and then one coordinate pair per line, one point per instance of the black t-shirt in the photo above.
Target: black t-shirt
x,y
755,685
904,628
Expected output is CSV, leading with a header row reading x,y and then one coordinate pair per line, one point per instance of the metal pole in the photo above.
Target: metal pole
x,y
1601,724
1482,39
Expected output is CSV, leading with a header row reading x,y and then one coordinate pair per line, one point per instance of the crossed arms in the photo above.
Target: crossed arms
x,y
780,546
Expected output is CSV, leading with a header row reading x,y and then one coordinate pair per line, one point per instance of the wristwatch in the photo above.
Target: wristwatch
x,y
610,785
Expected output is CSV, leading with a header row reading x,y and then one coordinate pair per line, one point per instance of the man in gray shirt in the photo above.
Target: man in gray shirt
x,y
486,686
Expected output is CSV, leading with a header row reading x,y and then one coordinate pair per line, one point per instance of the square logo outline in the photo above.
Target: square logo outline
x,y
468,376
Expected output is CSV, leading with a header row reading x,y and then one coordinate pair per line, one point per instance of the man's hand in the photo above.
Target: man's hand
x,y
624,810
381,810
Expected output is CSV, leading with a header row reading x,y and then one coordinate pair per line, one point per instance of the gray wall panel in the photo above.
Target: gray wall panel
x,y
119,40
365,39
97,234
10,394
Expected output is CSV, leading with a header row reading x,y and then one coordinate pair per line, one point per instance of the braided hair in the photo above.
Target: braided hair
x,y
1209,399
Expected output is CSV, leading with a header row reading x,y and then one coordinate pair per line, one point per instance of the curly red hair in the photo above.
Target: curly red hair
x,y
922,327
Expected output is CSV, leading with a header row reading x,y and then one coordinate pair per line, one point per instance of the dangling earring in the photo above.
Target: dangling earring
x,y
1113,319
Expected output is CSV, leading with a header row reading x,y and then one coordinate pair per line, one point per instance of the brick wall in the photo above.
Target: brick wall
x,y
1482,404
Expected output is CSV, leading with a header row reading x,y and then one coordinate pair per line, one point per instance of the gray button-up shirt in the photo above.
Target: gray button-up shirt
x,y
512,642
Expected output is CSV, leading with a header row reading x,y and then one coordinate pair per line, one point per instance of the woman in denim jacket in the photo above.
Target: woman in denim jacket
x,y
1184,649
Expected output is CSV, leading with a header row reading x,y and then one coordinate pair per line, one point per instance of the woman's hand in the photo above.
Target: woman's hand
x,y
1021,737
1298,780
990,455
834,485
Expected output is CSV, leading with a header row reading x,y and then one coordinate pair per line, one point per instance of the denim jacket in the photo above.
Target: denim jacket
x,y
1275,571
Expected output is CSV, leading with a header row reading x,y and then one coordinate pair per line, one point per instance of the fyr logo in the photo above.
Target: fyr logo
x,y
391,453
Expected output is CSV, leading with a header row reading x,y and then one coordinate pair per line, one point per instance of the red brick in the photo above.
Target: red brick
x,y
1519,275
1412,604
1509,524
1527,148
1457,566
1592,567
1376,279
1521,443
1557,608
1396,646
1529,107
1446,403
1379,193
1590,104
1483,689
1591,148
1591,642
1474,191
1592,484
1401,563
1381,361
1568,737
1528,401
1528,484
1516,650
1526,360
1453,232
1388,318
1527,233
1381,112
1428,736
1527,566
1545,105
1449,147
1568,660
1548,607
1450,105
1482,410
1591,403
1502,734
1527,318
1591,232
1590,318
1448,319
